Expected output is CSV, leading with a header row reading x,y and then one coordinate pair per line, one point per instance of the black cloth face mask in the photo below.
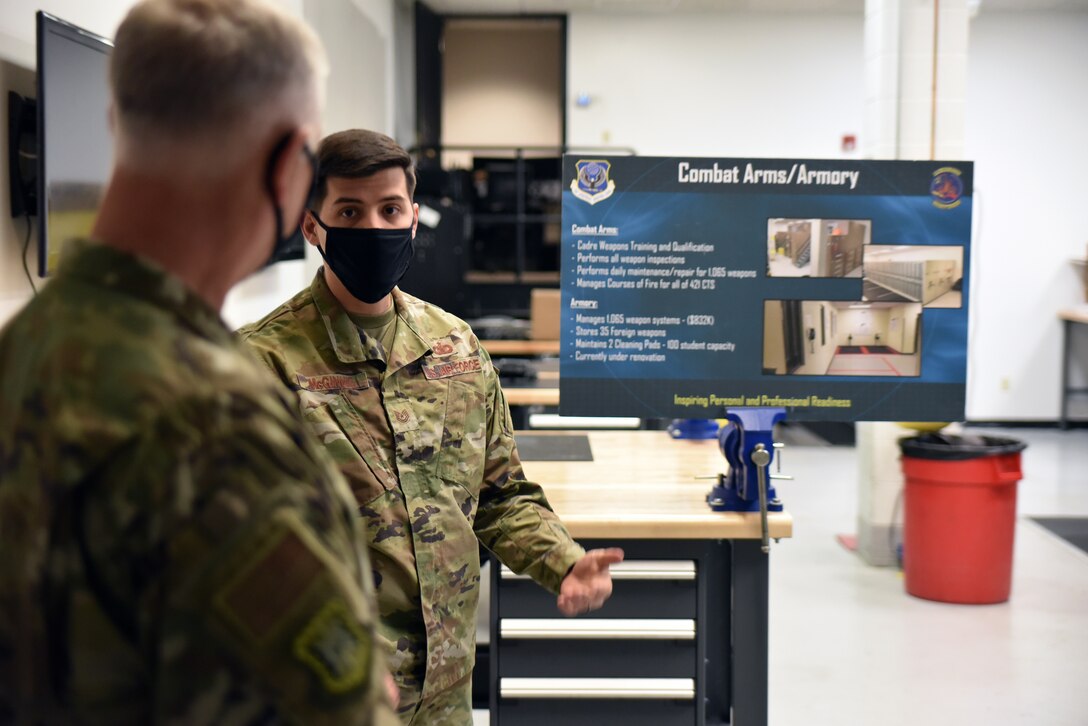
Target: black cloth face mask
x,y
286,243
369,261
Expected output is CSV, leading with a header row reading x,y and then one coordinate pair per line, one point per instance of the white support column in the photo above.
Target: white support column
x,y
916,90
880,481
916,78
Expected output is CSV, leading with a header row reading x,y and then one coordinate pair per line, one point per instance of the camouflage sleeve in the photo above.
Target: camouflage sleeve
x,y
514,519
244,556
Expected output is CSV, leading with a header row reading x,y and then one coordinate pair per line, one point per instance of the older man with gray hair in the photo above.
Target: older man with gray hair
x,y
176,548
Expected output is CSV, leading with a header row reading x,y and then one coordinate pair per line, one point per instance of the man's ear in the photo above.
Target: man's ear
x,y
290,172
415,219
310,229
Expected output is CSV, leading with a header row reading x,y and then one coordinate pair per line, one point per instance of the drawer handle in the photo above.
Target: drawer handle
x,y
615,688
677,570
593,629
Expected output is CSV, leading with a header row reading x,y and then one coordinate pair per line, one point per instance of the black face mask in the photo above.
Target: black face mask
x,y
284,244
370,262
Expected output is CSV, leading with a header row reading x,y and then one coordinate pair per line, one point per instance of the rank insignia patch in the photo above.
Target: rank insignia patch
x,y
442,348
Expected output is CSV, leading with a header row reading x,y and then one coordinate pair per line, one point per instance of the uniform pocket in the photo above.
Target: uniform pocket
x,y
351,447
464,437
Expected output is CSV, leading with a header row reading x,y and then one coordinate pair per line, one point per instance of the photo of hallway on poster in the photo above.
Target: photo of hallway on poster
x,y
841,338
816,247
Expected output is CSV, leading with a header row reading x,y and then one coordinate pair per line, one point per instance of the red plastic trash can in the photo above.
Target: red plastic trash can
x,y
959,515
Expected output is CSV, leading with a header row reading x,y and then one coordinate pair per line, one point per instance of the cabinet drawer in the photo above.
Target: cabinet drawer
x,y
596,629
675,570
640,589
588,659
597,701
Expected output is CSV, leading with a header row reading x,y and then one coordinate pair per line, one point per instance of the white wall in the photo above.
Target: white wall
x,y
17,24
717,84
358,35
14,287
1026,111
18,28
859,326
17,61
752,84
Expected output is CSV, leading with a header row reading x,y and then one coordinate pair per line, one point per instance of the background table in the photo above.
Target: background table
x,y
1069,316
496,348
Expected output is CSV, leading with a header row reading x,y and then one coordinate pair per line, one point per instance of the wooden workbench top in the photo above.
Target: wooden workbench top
x,y
642,485
520,347
1077,314
542,396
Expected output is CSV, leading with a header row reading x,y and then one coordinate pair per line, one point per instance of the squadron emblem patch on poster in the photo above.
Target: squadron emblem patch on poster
x,y
591,184
946,188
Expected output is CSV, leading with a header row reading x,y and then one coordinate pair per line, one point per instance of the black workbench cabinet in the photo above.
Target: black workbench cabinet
x,y
658,653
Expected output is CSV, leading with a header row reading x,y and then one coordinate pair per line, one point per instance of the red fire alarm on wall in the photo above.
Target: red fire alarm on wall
x,y
849,142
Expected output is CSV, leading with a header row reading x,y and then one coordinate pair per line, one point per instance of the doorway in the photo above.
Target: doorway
x,y
793,334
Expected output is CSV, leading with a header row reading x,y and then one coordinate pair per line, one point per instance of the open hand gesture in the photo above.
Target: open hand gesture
x,y
589,583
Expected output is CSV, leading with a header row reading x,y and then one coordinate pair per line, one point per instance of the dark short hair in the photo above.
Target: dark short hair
x,y
357,153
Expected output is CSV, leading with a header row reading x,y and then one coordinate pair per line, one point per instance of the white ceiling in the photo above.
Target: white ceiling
x,y
516,7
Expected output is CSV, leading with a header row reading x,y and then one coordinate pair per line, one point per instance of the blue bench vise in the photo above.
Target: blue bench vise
x,y
747,442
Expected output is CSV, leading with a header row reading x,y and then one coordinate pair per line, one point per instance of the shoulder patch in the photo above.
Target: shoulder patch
x,y
332,382
445,369
261,595
336,648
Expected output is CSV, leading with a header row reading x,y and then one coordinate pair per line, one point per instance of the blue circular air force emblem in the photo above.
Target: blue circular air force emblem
x,y
591,183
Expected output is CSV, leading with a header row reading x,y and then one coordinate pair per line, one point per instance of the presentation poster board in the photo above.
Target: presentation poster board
x,y
837,289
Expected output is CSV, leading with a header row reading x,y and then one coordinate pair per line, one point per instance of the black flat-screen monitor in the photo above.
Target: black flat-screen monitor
x,y
75,148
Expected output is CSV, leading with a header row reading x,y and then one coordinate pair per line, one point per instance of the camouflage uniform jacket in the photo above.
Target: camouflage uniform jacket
x,y
176,547
425,439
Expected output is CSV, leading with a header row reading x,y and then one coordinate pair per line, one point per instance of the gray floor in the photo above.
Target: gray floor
x,y
849,646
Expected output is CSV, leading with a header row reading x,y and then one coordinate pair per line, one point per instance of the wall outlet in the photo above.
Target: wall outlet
x,y
1005,385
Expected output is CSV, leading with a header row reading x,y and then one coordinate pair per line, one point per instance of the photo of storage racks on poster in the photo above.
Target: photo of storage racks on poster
x,y
837,289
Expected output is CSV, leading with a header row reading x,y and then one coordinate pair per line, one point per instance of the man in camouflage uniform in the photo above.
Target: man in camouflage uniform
x,y
407,402
176,548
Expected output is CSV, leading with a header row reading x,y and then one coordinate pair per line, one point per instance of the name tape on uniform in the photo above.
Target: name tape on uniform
x,y
332,382
451,368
